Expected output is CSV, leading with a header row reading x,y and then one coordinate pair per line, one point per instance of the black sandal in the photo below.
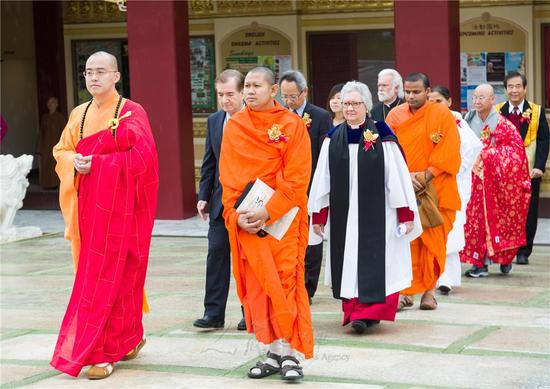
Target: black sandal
x,y
265,368
297,368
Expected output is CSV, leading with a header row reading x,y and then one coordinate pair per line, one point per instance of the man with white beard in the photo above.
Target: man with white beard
x,y
390,94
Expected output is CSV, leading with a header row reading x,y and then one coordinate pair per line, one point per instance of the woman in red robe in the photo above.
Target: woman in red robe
x,y
496,213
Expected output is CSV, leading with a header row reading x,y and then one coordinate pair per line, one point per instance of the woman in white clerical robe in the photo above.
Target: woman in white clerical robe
x,y
470,147
362,197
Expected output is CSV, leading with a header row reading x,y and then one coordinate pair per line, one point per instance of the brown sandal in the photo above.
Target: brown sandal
x,y
98,373
134,353
404,302
428,302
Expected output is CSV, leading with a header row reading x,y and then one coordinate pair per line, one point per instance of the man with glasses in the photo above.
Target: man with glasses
x,y
429,136
318,122
108,168
530,121
497,210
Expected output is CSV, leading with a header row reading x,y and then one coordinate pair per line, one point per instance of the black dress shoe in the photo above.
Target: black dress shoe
x,y
359,326
522,259
371,323
242,325
209,322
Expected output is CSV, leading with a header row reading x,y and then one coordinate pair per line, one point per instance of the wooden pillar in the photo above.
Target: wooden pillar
x,y
427,40
50,54
158,40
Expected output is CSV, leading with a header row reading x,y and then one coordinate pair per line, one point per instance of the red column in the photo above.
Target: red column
x,y
427,40
158,40
50,54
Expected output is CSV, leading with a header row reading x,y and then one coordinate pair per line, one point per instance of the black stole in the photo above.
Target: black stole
x,y
372,214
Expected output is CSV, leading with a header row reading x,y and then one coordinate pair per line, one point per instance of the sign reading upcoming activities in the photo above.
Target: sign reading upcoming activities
x,y
256,46
490,48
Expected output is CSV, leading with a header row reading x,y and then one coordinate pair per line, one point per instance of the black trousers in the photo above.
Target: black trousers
x,y
532,218
218,269
314,258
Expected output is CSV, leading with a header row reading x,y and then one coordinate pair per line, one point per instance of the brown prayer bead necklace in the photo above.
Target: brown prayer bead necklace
x,y
86,111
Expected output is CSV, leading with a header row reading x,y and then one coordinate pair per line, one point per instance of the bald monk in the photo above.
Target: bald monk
x,y
107,165
268,142
429,136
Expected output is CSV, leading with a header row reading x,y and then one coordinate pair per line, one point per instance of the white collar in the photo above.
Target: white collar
x,y
511,106
301,109
393,101
356,126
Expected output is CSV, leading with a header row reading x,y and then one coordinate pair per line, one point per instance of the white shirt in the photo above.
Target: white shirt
x,y
301,109
226,119
511,106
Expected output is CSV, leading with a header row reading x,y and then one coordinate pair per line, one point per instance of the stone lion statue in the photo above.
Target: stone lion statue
x,y
13,186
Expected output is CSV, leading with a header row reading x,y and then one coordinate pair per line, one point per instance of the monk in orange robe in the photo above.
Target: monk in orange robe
x,y
268,142
107,165
430,139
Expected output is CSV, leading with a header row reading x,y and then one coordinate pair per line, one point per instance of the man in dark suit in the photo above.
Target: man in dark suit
x,y
530,120
229,87
318,121
390,94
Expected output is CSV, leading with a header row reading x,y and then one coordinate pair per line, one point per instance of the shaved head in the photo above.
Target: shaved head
x,y
101,74
266,72
111,59
485,89
484,99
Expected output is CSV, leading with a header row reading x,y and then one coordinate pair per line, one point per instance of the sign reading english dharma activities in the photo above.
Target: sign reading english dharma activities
x,y
256,46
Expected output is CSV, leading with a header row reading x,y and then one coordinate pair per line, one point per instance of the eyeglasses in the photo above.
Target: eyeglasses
x,y
99,73
354,104
480,98
291,97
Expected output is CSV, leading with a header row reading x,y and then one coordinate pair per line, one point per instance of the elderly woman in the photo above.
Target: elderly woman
x,y
362,188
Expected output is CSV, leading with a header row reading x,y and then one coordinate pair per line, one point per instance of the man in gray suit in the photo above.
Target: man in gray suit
x,y
229,87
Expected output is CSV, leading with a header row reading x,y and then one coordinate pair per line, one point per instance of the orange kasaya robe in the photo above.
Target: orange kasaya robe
x,y
430,140
97,119
269,274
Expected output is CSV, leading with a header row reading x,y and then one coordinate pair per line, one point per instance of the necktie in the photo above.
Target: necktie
x,y
296,112
515,117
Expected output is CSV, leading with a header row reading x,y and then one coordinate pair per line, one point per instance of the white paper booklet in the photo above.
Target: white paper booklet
x,y
257,197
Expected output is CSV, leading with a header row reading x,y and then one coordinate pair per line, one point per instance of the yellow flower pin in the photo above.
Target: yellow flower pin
x,y
369,139
485,133
276,135
436,137
307,119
